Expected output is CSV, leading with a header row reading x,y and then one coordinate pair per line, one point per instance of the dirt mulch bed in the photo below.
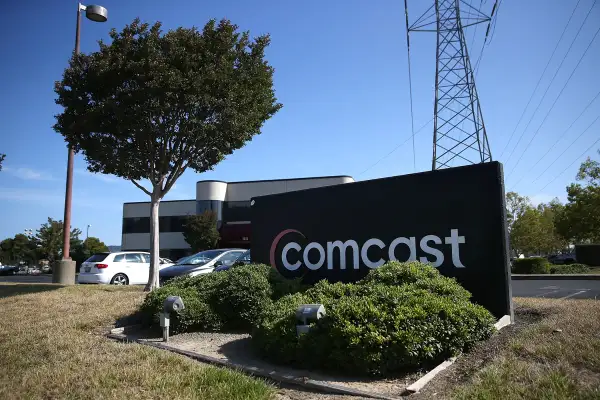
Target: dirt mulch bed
x,y
237,348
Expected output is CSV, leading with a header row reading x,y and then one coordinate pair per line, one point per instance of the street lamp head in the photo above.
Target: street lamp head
x,y
96,13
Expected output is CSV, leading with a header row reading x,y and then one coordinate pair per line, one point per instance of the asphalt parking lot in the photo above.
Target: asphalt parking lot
x,y
43,278
554,289
557,289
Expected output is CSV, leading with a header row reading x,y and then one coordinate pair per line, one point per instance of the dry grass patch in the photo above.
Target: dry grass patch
x,y
557,357
49,350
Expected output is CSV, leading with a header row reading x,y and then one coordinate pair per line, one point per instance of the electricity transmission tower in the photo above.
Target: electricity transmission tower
x,y
458,132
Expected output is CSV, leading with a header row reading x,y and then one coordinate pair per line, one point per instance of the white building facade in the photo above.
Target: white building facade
x,y
229,200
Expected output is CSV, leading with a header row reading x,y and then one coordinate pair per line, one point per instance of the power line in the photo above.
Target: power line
x,y
540,80
561,136
412,118
495,22
493,19
552,80
476,26
396,148
565,150
570,165
556,100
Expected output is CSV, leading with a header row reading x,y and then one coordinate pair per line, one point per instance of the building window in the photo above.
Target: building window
x,y
209,205
172,223
165,224
236,211
136,225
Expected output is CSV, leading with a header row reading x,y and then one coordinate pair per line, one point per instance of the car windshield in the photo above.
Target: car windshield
x,y
202,257
244,257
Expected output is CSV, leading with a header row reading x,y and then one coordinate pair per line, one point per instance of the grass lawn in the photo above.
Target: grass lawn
x,y
555,357
50,348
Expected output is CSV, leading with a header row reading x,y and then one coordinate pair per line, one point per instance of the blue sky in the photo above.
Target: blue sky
x,y
341,73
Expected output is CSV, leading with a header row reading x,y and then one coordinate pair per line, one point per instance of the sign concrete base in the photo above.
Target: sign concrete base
x,y
64,272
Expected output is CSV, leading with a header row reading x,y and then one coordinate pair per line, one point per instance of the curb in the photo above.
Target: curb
x,y
556,277
273,375
425,379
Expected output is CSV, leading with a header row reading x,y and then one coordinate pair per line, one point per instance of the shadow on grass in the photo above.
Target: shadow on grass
x,y
16,289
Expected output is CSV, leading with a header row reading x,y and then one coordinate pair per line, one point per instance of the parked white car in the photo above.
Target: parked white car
x,y
122,268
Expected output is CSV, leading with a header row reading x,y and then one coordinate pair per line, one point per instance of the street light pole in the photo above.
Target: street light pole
x,y
65,271
87,231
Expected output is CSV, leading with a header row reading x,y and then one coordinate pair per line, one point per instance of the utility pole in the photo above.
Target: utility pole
x,y
459,134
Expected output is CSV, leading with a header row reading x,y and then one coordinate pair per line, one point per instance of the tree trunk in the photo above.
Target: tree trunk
x,y
154,242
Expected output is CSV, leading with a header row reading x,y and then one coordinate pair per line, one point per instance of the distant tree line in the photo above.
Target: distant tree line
x,y
552,227
46,244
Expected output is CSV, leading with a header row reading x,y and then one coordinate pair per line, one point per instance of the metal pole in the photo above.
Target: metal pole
x,y
87,232
69,186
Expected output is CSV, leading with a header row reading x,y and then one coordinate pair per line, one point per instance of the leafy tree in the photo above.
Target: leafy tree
x,y
50,240
200,231
94,245
2,156
149,105
18,249
516,205
534,232
87,248
526,232
580,220
551,241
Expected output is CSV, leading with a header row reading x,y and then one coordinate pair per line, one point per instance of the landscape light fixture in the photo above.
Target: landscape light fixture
x,y
172,304
65,270
307,314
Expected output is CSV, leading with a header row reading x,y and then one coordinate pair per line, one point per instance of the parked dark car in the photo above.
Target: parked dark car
x,y
244,259
8,270
568,258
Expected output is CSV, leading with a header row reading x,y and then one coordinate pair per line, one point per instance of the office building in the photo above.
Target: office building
x,y
229,200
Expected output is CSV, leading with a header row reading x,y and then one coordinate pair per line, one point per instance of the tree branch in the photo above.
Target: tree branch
x,y
173,177
141,187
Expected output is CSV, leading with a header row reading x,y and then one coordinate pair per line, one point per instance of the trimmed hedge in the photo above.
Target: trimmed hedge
x,y
569,269
401,316
231,300
531,265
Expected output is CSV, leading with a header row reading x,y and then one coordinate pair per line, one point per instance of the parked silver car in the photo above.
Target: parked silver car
x,y
200,263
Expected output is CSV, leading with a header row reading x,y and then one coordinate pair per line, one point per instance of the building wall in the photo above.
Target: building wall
x,y
168,240
167,208
246,190
228,200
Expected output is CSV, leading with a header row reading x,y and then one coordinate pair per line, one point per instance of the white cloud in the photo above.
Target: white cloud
x,y
103,177
28,174
47,197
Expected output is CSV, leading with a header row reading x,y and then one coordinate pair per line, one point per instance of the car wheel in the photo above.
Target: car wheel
x,y
119,279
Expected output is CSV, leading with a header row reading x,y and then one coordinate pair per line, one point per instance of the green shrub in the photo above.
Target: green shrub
x,y
242,296
197,315
421,275
531,265
386,323
231,300
569,269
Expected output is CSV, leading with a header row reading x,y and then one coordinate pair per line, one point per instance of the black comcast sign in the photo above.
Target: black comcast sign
x,y
453,219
